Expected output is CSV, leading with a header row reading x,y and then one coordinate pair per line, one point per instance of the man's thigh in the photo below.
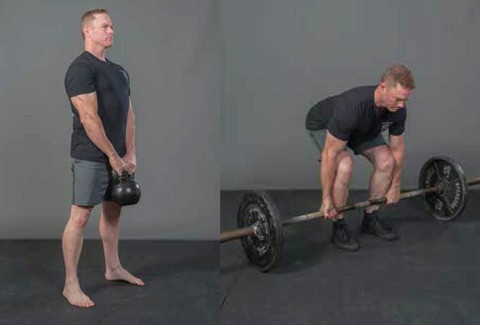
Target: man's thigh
x,y
377,154
365,147
90,182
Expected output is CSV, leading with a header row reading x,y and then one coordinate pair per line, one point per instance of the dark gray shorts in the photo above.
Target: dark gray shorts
x,y
318,138
91,182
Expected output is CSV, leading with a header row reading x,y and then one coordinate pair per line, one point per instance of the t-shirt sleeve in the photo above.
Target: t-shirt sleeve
x,y
343,122
398,126
79,80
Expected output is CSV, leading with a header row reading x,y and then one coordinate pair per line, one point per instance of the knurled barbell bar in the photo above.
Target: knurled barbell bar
x,y
441,181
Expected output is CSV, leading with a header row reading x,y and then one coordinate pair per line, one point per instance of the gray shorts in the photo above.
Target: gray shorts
x,y
318,138
91,182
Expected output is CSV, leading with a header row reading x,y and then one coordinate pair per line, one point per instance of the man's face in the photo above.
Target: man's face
x,y
100,30
394,97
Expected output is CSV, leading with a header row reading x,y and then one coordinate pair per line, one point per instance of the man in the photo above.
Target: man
x,y
103,139
355,119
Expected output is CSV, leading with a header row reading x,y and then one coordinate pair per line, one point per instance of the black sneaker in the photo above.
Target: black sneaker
x,y
341,237
372,225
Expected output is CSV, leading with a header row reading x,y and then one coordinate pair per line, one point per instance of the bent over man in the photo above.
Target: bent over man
x,y
355,120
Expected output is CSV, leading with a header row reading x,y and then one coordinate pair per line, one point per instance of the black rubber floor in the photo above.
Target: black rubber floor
x,y
181,277
430,276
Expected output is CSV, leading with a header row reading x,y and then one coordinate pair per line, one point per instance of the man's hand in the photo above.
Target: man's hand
x,y
118,165
328,209
130,162
393,194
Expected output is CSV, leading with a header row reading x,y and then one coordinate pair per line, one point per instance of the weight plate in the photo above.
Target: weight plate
x,y
449,202
264,247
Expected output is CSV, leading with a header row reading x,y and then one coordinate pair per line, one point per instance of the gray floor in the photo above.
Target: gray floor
x,y
181,277
430,276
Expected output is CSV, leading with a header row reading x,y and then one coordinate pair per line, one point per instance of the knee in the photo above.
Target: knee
x,y
345,169
80,218
386,163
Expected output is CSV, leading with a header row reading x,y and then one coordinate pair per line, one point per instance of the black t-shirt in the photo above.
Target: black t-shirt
x,y
353,117
111,83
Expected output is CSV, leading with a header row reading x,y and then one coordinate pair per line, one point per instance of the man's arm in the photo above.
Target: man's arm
x,y
130,156
397,146
333,147
86,106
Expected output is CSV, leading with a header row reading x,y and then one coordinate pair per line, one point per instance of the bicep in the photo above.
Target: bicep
x,y
85,104
79,79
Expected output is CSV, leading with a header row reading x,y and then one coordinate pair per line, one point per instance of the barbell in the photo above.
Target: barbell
x,y
441,180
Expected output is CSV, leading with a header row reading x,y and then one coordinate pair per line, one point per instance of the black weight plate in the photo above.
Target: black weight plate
x,y
449,202
264,248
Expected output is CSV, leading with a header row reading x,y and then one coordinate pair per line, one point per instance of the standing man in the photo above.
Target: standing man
x,y
103,139
355,119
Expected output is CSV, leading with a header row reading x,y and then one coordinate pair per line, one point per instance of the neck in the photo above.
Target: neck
x,y
98,52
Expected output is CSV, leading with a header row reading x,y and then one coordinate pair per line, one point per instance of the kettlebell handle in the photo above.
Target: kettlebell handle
x,y
120,178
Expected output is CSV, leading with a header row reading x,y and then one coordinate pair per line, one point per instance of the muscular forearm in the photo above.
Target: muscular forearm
x,y
398,154
96,133
328,172
130,134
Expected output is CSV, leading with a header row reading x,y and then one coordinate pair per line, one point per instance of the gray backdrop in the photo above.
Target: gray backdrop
x,y
280,57
171,50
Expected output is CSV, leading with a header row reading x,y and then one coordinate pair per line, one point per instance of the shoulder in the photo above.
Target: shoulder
x,y
358,96
81,64
361,92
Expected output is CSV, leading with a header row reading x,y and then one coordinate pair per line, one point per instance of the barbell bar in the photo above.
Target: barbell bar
x,y
441,181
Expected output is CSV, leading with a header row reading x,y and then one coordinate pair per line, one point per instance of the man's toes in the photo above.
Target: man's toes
x,y
137,281
88,303
85,303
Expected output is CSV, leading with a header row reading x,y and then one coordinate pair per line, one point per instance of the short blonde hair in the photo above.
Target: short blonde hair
x,y
89,16
398,74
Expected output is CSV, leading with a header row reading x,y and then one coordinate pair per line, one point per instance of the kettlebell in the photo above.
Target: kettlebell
x,y
125,190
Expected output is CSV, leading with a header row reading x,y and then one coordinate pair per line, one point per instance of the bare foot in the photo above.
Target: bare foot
x,y
120,274
75,295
